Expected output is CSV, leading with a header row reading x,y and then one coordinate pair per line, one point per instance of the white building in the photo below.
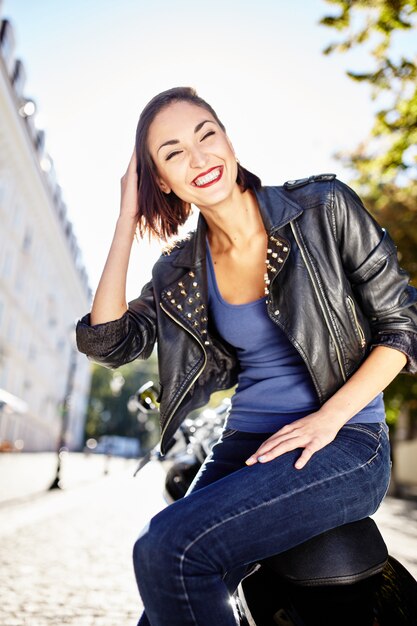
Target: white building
x,y
43,284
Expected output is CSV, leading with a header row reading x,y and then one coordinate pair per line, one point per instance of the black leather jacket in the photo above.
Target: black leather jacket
x,y
336,290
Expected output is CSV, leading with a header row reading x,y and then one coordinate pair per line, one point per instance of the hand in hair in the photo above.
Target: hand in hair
x,y
110,298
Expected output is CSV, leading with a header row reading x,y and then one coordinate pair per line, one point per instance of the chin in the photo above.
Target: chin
x,y
214,196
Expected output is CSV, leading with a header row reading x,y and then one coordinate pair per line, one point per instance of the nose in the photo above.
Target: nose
x,y
197,157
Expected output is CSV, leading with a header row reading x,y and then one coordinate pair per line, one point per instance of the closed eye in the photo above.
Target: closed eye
x,y
172,154
211,132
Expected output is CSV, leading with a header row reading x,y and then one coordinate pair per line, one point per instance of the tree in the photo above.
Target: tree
x,y
390,151
385,163
108,412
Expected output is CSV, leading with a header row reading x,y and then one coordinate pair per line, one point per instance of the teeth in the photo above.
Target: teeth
x,y
203,180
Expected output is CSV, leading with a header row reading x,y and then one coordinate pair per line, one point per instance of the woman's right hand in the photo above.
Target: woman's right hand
x,y
129,190
110,298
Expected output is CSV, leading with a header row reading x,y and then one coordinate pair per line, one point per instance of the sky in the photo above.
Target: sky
x,y
92,65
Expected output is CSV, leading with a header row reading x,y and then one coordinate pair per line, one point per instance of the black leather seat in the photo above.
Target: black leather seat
x,y
344,555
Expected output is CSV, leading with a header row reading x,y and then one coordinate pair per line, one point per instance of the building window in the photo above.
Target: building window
x,y
4,371
7,265
12,330
4,194
7,43
32,353
27,240
17,215
51,311
35,308
23,339
20,281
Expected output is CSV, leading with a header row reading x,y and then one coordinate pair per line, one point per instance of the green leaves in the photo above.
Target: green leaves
x,y
387,153
385,163
108,412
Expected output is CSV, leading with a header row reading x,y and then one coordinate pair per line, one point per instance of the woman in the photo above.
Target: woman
x,y
295,293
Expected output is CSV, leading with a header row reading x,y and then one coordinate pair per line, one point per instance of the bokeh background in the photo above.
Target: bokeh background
x,y
303,87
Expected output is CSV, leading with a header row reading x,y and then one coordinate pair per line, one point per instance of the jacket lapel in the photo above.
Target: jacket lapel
x,y
276,208
186,298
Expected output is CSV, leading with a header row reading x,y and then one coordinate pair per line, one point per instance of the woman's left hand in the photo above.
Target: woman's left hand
x,y
318,429
312,433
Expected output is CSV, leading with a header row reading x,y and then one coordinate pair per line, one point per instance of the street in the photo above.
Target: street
x,y
66,555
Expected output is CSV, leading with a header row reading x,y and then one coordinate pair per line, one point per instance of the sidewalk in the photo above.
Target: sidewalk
x,y
26,474
397,521
66,556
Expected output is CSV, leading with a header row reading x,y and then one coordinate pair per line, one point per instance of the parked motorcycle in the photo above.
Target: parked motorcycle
x,y
343,577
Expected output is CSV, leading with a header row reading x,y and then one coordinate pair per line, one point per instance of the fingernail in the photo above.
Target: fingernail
x,y
262,458
250,460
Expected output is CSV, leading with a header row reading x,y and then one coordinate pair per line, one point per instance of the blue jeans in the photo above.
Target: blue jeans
x,y
192,554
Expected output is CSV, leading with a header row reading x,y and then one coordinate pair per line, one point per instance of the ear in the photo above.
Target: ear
x,y
163,186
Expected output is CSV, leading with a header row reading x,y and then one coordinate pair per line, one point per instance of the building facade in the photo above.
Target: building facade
x,y
43,284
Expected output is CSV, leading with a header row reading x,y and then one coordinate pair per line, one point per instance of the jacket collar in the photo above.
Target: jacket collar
x,y
276,209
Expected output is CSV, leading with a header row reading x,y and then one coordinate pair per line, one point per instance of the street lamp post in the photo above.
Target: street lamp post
x,y
65,406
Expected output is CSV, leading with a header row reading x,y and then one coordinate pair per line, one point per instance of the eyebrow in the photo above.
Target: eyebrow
x,y
172,142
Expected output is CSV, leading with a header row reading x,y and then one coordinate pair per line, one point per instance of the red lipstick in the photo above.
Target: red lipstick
x,y
212,180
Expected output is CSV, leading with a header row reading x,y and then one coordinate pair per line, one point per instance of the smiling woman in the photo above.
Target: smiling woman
x,y
163,146
294,293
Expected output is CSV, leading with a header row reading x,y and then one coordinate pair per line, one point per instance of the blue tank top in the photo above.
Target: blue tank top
x,y
274,386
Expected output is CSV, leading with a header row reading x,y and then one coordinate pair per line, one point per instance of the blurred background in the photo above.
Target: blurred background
x,y
303,87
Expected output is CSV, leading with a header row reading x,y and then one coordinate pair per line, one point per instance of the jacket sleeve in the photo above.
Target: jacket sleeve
x,y
380,284
120,341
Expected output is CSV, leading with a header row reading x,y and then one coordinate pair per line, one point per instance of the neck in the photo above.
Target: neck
x,y
234,222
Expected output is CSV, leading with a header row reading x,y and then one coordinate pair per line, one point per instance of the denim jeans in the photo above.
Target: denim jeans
x,y
192,554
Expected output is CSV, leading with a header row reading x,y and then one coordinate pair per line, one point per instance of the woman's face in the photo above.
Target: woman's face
x,y
192,154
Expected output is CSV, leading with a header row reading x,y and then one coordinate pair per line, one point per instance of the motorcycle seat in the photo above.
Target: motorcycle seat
x,y
344,555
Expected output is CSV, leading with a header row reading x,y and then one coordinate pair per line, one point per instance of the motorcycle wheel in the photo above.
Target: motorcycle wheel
x,y
396,598
179,477
386,599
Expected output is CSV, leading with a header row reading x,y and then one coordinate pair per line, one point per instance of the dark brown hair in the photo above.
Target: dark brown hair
x,y
161,214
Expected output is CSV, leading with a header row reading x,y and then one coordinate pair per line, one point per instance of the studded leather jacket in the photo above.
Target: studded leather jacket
x,y
334,287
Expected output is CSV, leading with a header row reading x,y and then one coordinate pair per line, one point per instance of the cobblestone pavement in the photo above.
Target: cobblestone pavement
x,y
66,556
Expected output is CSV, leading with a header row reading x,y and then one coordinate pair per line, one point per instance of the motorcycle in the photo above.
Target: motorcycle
x,y
343,577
